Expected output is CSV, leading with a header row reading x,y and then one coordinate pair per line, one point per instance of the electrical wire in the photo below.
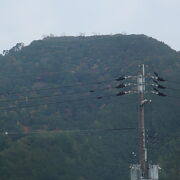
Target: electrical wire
x,y
159,86
53,88
166,95
173,89
176,97
62,102
65,86
48,73
166,80
91,91
69,131
177,82
26,98
59,87
25,74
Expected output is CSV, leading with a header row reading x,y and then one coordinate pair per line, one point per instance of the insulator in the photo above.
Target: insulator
x,y
160,79
156,74
155,81
121,86
120,78
161,87
161,94
100,97
156,89
121,93
154,92
91,91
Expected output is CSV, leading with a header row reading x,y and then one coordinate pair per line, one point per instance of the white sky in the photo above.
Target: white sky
x,y
27,20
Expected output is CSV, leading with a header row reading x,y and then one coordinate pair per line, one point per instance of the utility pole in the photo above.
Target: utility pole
x,y
142,142
143,170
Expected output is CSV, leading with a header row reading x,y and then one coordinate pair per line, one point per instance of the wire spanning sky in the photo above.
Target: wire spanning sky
x,y
27,20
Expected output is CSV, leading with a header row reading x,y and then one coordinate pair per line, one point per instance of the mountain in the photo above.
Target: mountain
x,y
60,113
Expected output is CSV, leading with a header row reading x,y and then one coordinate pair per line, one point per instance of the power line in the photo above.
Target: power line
x,y
57,87
159,86
117,78
156,78
26,74
62,102
69,131
177,82
173,89
173,96
49,73
26,98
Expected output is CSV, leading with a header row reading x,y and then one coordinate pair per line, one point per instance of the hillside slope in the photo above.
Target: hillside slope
x,y
52,85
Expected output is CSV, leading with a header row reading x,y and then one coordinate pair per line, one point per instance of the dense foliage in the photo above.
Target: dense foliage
x,y
48,94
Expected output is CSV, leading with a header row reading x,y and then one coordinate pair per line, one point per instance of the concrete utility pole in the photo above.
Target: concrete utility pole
x,y
143,170
142,142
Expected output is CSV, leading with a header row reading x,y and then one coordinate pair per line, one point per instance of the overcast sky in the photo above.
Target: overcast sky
x,y
27,20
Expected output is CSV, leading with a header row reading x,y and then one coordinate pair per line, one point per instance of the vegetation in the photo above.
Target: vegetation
x,y
53,126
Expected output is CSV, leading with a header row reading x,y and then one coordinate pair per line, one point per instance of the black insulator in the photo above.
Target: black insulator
x,y
120,78
161,94
91,91
160,79
156,89
156,74
155,81
120,86
121,93
161,87
100,97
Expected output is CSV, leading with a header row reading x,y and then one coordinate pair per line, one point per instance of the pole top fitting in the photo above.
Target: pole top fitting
x,y
145,101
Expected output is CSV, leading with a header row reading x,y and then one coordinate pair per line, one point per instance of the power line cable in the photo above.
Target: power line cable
x,y
25,74
51,88
49,73
158,78
159,86
58,87
26,98
69,131
176,82
62,102
173,89
173,96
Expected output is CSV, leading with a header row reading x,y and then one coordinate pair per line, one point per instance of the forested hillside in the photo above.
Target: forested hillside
x,y
61,118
